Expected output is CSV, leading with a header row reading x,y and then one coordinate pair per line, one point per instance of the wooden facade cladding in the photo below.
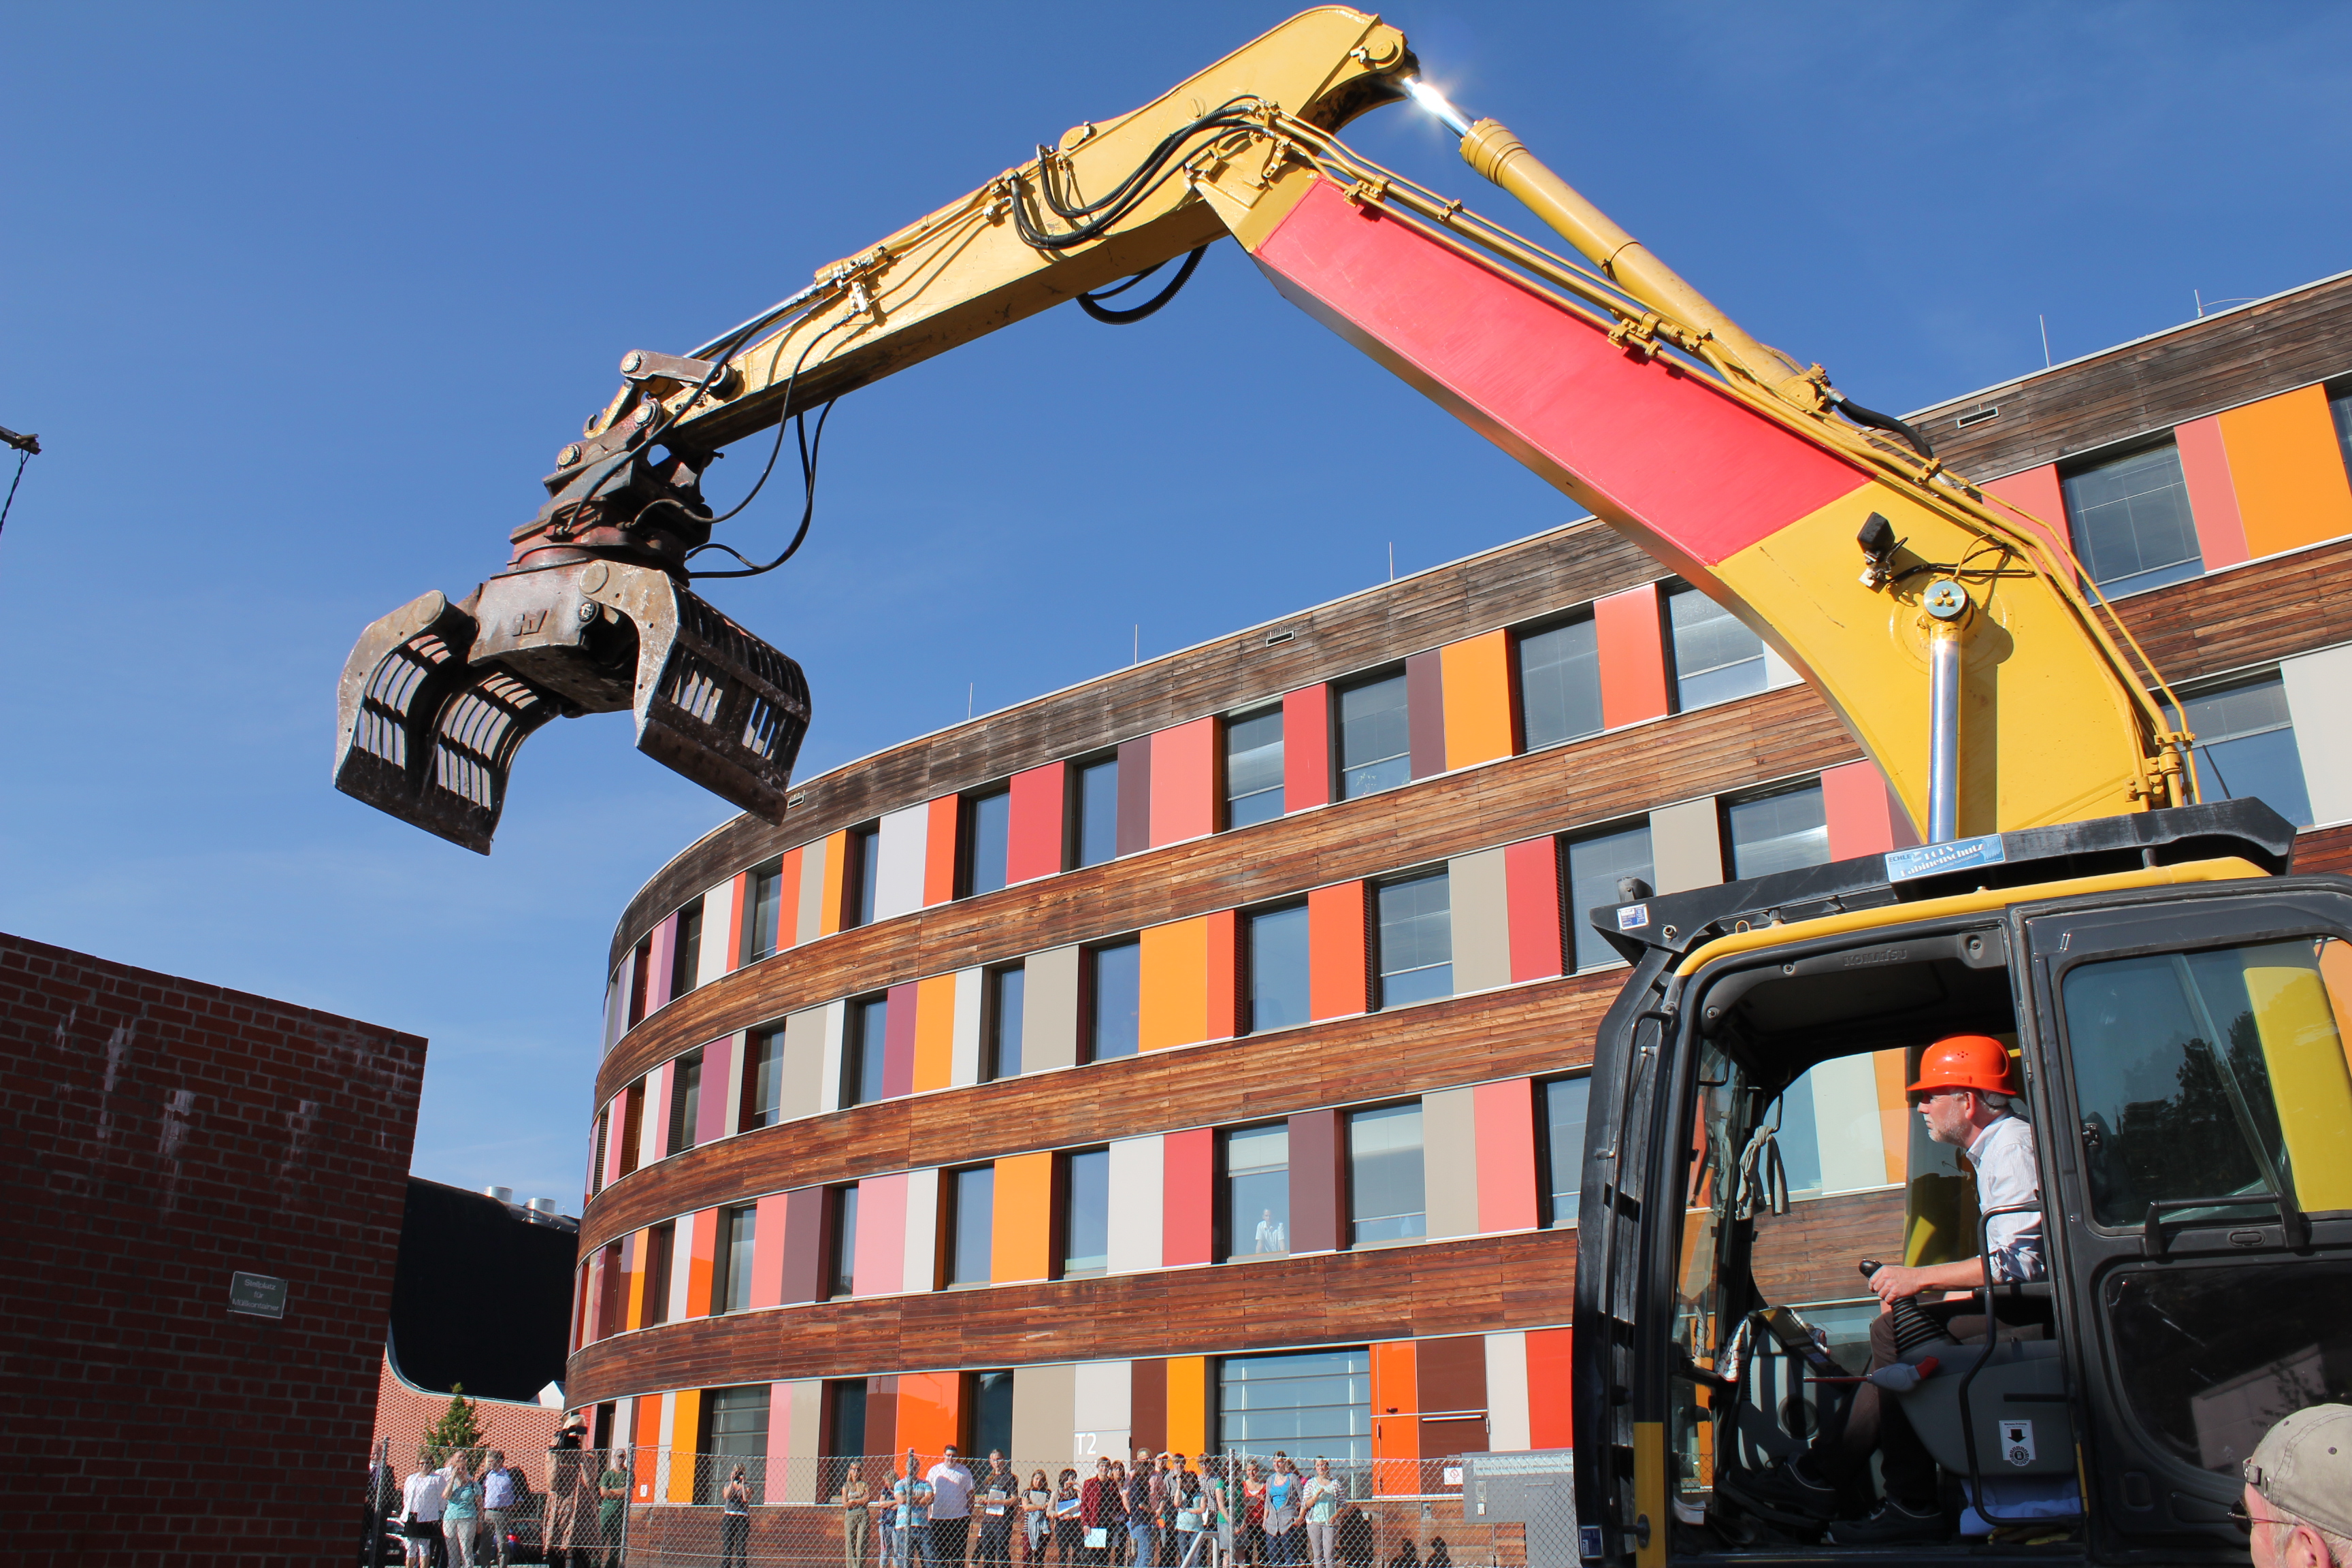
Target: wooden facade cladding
x,y
1528,1031
2143,387
1462,1287
1608,776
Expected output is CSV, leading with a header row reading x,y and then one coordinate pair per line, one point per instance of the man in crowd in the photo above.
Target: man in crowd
x,y
998,1490
2298,1504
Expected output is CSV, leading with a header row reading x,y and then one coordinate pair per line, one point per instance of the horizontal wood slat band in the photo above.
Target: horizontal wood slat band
x,y
1540,1028
1465,1287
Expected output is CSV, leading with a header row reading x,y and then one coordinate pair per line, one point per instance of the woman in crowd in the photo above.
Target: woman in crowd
x,y
1321,1502
1068,1508
857,1501
735,1522
461,1514
1286,1534
1249,1530
1036,1523
1119,1541
1188,1501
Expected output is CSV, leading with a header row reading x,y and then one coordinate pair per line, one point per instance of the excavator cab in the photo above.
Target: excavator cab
x,y
2180,1023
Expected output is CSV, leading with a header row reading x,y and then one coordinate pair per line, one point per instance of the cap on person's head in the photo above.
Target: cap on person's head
x,y
1965,1061
2303,1465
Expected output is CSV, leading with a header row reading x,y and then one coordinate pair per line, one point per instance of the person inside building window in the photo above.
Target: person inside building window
x,y
1963,1094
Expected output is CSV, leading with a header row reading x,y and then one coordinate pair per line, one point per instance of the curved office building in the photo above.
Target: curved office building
x,y
1192,1060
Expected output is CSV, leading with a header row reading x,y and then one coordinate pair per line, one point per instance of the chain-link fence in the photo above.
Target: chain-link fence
x,y
653,1508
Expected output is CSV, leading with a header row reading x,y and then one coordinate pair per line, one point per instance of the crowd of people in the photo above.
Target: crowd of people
x,y
458,1514
1165,1510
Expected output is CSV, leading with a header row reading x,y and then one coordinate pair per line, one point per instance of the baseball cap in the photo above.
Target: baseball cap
x,y
2303,1465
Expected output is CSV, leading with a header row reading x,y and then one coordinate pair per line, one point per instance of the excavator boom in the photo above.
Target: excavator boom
x,y
1950,634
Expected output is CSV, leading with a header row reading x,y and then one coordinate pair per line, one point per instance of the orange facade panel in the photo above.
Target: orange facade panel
x,y
836,866
1476,672
934,1031
1551,1423
1188,1405
702,1261
940,829
1631,640
2287,468
1175,984
930,1413
1338,981
1396,1420
1022,1223
685,1437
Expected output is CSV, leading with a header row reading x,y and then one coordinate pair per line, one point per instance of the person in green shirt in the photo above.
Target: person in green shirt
x,y
613,1505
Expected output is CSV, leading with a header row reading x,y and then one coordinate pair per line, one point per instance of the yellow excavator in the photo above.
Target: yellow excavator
x,y
2171,998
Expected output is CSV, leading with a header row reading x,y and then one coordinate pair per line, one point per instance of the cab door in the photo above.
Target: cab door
x,y
2195,1095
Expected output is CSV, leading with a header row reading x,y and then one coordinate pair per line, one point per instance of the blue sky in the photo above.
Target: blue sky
x,y
303,299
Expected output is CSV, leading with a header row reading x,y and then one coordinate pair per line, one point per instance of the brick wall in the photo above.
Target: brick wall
x,y
156,1135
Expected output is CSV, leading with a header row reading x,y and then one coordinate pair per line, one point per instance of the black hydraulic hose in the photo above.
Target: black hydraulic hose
x,y
1100,312
1887,422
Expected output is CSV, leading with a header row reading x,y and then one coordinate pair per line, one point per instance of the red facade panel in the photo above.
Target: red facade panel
x,y
1337,983
1036,835
1551,1423
2213,498
1632,650
1307,748
1186,1196
1531,890
1864,817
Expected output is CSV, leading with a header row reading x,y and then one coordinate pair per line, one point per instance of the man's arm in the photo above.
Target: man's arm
x,y
1896,1281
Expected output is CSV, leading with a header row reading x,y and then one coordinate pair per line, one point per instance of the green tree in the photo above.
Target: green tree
x,y
458,1429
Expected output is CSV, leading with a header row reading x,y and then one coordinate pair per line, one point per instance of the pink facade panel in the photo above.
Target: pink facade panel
x,y
1531,882
1506,1120
1184,782
1187,1195
1307,748
768,1251
2213,498
1034,835
881,1236
710,1118
1864,817
664,966
898,1043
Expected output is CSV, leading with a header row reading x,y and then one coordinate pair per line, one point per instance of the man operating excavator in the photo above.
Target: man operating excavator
x,y
1964,1094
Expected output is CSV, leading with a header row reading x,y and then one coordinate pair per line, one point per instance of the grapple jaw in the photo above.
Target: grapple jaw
x,y
436,698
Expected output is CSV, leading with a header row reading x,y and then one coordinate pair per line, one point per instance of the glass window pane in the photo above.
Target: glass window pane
x,y
2132,524
1559,683
1715,658
685,1103
992,835
1011,986
1318,1404
1278,969
869,1037
741,1228
686,956
767,896
1118,999
1099,812
1565,1100
845,1241
1257,1191
975,1218
2340,408
1375,738
1253,768
2246,747
767,1107
1779,833
1384,1174
1086,1221
867,851
1595,865
1417,940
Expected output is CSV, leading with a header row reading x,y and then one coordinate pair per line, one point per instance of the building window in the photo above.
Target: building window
x,y
2132,523
1254,767
633,1126
988,840
641,973
1715,658
841,1271
971,1221
1384,1186
732,1289
661,1250
1007,991
845,1432
990,1395
604,1132
2245,746
866,1050
1315,1402
686,953
1595,865
764,900
764,1082
1086,1212
1564,1102
685,1103
1559,683
1375,738
1115,987
2339,408
734,1432
863,873
1098,827
1257,1191
1278,968
1417,940
1780,831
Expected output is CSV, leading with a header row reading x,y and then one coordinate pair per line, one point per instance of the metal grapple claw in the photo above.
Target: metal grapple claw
x,y
436,698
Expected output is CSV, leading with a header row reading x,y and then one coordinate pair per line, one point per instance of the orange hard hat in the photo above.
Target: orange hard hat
x,y
1965,1061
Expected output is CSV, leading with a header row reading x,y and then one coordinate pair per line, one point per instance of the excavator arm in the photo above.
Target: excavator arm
x,y
1951,633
